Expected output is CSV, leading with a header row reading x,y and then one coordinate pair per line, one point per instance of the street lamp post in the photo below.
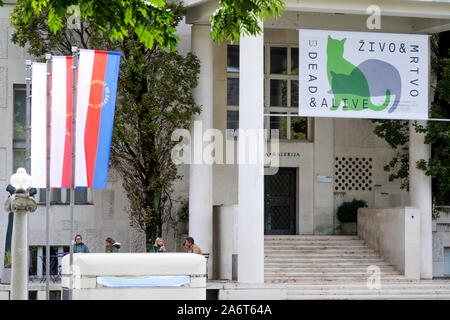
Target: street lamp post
x,y
20,203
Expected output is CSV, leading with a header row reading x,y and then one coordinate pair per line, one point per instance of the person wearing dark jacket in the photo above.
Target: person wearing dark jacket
x,y
159,245
112,246
79,246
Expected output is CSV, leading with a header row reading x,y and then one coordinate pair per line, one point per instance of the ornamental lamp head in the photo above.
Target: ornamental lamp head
x,y
21,180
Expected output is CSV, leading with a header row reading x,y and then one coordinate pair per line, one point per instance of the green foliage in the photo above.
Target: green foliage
x,y
396,134
182,216
237,17
152,21
437,133
8,259
348,211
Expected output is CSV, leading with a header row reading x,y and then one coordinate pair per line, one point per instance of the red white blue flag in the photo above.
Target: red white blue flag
x,y
98,73
97,77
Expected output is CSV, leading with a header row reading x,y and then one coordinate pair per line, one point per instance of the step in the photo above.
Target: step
x,y
310,237
289,270
317,247
319,251
318,278
363,285
328,273
310,241
321,260
321,281
370,297
323,255
371,292
330,264
313,244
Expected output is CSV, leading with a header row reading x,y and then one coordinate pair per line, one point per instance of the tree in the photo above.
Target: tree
x,y
155,97
156,100
236,17
153,20
437,133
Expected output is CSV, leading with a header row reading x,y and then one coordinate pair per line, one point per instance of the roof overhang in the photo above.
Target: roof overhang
x,y
406,16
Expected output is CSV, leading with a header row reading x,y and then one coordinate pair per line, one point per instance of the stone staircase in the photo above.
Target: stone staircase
x,y
335,267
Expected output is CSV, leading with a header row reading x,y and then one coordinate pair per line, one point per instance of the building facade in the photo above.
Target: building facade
x,y
252,84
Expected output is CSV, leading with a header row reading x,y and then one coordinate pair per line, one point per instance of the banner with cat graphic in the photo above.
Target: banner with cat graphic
x,y
363,75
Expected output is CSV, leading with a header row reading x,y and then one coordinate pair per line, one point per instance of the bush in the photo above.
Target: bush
x,y
348,211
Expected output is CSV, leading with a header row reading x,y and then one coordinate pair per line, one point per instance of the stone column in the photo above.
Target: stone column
x,y
420,196
19,250
19,203
200,173
251,175
323,221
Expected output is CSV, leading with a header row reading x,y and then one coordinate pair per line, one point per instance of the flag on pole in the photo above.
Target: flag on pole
x,y
61,122
96,99
38,124
96,96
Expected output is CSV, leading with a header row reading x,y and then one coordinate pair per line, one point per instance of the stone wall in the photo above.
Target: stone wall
x,y
441,240
395,234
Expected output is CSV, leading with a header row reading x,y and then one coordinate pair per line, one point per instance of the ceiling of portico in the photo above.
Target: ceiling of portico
x,y
356,22
401,16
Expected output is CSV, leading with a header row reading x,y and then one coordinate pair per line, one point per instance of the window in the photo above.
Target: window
x,y
232,90
280,91
62,196
19,127
37,256
447,261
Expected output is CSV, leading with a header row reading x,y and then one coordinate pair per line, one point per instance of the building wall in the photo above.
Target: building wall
x,y
354,138
441,240
329,139
12,70
317,201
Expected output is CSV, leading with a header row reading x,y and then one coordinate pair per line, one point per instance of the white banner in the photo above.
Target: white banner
x,y
363,75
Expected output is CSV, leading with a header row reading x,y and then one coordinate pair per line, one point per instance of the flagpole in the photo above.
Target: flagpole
x,y
28,113
28,130
48,58
72,167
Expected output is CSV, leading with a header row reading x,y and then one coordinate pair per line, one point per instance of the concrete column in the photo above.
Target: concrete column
x,y
251,175
200,173
19,251
323,216
420,195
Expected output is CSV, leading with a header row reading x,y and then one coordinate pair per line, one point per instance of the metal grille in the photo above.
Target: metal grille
x,y
353,174
280,217
280,185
